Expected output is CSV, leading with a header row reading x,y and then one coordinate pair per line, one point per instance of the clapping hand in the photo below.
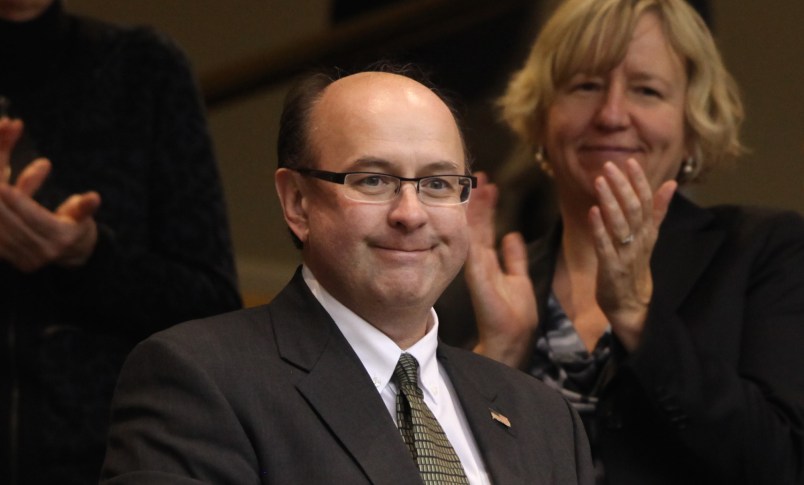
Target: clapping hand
x,y
31,236
625,224
502,294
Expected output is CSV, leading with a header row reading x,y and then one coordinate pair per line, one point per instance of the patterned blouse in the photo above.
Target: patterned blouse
x,y
561,360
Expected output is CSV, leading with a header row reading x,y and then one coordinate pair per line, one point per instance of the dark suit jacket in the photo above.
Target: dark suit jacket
x,y
276,395
715,392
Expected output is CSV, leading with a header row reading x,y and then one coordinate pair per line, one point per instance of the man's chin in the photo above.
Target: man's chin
x,y
400,289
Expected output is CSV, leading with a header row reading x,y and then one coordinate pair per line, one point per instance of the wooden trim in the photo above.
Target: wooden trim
x,y
404,25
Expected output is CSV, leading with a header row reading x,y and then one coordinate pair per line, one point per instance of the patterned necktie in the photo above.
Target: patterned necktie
x,y
429,446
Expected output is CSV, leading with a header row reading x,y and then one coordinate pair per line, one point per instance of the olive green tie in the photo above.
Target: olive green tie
x,y
429,446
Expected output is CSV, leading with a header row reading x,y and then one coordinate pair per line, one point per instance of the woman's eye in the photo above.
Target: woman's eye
x,y
588,86
648,91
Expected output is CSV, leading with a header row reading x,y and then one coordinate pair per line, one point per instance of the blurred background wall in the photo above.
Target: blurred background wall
x,y
245,52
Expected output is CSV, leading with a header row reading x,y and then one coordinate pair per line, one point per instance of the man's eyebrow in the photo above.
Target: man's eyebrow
x,y
444,166
370,163
375,163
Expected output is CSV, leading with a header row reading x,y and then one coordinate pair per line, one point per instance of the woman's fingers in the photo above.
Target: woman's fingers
x,y
10,132
33,176
628,205
481,211
661,201
613,215
514,254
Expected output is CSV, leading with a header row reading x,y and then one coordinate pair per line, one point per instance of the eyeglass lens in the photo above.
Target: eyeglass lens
x,y
436,190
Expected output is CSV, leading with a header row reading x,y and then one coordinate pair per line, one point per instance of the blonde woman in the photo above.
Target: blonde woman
x,y
675,330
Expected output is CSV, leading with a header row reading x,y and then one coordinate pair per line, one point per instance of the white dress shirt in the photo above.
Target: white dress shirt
x,y
379,355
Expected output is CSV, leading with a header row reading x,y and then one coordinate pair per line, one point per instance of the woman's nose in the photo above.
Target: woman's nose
x,y
613,114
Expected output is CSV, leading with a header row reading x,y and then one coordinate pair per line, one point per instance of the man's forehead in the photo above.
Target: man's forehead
x,y
380,96
375,91
364,82
383,115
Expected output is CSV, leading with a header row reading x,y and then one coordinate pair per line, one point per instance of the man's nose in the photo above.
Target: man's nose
x,y
407,209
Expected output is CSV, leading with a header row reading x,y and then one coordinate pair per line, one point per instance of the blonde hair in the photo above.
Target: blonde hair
x,y
592,36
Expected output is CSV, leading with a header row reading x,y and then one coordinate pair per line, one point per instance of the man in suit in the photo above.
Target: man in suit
x,y
373,186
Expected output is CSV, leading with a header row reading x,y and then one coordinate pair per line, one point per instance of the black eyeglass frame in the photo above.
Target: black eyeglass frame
x,y
340,178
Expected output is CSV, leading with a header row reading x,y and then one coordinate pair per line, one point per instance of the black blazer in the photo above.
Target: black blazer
x,y
276,395
715,392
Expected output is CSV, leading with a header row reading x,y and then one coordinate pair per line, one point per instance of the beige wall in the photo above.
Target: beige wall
x,y
763,46
762,42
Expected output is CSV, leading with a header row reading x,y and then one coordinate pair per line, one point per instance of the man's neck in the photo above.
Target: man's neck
x,y
404,324
403,328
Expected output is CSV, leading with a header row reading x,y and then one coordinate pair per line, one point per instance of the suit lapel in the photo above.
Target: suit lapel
x,y
496,442
337,386
686,245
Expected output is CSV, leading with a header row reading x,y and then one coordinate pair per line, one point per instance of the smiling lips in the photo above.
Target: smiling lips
x,y
604,153
609,148
403,250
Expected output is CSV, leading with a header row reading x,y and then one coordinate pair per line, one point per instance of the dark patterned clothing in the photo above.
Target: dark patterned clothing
x,y
117,111
561,359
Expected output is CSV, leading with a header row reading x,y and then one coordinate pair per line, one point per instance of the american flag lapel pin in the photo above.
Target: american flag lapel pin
x,y
496,416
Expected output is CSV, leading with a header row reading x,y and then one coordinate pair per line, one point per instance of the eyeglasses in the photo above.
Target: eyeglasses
x,y
381,187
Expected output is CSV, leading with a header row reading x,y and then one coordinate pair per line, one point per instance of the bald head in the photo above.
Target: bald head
x,y
379,91
23,10
293,142
394,112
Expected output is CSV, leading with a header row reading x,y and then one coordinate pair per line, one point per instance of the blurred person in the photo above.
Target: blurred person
x,y
112,226
320,385
674,329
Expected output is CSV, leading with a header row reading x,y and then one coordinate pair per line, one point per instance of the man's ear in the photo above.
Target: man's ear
x,y
294,206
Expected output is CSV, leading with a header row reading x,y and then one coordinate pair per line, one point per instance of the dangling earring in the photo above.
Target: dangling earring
x,y
542,163
689,169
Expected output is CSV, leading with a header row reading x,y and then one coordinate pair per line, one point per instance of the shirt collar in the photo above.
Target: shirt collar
x,y
378,353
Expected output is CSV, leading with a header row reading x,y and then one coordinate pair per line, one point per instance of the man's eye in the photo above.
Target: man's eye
x,y
371,181
437,184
